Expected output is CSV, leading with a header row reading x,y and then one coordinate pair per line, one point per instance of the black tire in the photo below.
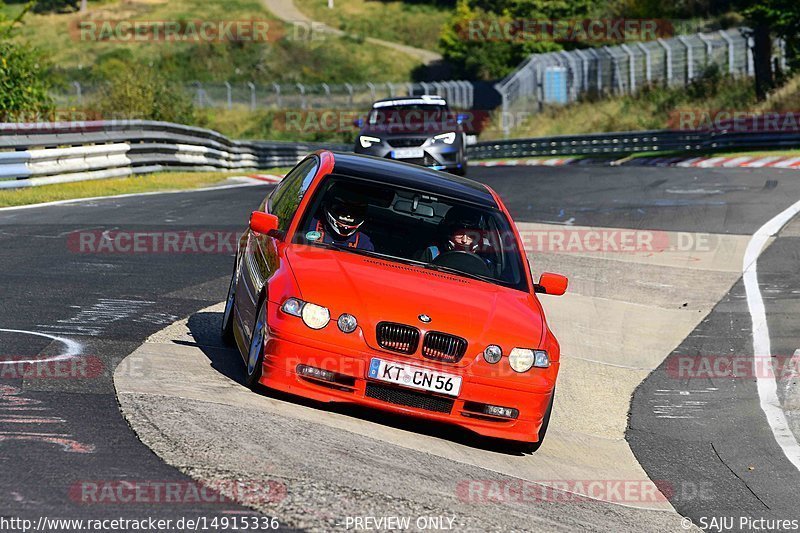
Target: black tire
x,y
534,446
255,353
226,328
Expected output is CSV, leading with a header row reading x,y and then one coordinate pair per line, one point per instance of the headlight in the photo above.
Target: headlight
x,y
523,359
347,323
293,306
447,138
492,353
367,141
315,316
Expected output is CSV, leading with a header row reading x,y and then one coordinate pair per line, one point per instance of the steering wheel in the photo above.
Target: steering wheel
x,y
466,262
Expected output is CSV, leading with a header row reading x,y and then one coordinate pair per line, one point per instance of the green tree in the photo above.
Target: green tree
x,y
477,43
137,92
767,18
24,91
486,39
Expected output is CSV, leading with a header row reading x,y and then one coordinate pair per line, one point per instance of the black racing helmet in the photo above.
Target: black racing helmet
x,y
462,220
344,217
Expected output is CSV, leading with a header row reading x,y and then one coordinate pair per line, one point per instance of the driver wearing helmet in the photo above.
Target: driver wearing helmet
x,y
341,225
462,233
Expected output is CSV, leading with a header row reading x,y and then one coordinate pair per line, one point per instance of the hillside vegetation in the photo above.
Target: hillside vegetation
x,y
322,59
416,24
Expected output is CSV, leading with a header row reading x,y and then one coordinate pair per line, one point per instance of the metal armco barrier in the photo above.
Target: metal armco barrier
x,y
44,153
41,154
631,142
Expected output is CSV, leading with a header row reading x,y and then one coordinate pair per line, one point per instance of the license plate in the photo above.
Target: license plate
x,y
414,377
409,153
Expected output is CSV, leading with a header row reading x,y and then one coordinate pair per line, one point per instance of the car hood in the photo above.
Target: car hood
x,y
376,290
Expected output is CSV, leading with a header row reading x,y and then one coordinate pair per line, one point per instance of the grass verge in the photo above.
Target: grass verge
x,y
166,181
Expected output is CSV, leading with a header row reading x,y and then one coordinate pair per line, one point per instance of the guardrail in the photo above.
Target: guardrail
x,y
44,153
40,154
632,142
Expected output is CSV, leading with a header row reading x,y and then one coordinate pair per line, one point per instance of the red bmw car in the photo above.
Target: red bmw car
x,y
376,282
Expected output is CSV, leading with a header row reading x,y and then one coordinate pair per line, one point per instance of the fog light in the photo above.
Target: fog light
x,y
317,373
496,410
492,353
347,323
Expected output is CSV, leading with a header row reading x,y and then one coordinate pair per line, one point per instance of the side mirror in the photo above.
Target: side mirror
x,y
263,222
358,123
554,284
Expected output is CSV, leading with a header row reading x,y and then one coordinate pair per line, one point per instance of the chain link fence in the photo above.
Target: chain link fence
x,y
562,77
459,94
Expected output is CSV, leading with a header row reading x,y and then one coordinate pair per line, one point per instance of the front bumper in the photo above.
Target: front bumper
x,y
438,156
283,353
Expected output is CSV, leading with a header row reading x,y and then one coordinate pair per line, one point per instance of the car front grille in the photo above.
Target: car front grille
x,y
407,142
409,398
397,337
443,347
425,161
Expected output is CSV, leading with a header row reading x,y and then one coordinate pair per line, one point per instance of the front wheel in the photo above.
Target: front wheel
x,y
255,355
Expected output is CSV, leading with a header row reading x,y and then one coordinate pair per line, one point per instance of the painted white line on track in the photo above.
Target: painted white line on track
x,y
73,348
767,385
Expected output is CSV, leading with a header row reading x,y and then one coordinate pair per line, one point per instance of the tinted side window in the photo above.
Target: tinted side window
x,y
284,200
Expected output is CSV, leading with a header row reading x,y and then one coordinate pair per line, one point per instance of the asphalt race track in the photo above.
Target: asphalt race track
x,y
703,439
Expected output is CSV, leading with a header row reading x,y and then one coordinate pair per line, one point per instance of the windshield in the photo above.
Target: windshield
x,y
392,114
413,226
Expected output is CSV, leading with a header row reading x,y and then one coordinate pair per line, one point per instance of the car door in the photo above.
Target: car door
x,y
260,257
